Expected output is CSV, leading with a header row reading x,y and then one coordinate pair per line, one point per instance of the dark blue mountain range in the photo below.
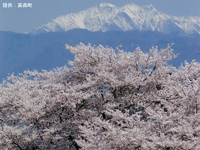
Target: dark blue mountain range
x,y
19,52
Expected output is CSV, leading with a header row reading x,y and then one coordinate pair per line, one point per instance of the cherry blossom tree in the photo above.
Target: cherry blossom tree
x,y
108,99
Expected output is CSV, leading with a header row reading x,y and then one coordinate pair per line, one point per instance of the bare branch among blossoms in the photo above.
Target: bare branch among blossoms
x,y
109,99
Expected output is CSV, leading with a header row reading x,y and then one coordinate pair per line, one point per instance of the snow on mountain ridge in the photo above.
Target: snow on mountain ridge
x,y
106,5
106,17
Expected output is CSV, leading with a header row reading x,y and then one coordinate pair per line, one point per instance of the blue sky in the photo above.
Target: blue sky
x,y
43,11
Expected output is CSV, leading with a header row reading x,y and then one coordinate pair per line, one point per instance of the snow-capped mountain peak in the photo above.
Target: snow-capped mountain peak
x,y
106,17
103,5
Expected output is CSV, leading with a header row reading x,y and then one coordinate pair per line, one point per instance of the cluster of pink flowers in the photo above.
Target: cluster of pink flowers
x,y
109,99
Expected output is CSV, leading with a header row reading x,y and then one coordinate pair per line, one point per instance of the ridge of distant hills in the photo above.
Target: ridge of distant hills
x,y
19,52
107,17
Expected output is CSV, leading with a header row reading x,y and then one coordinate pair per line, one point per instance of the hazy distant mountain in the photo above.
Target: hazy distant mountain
x,y
19,52
107,17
